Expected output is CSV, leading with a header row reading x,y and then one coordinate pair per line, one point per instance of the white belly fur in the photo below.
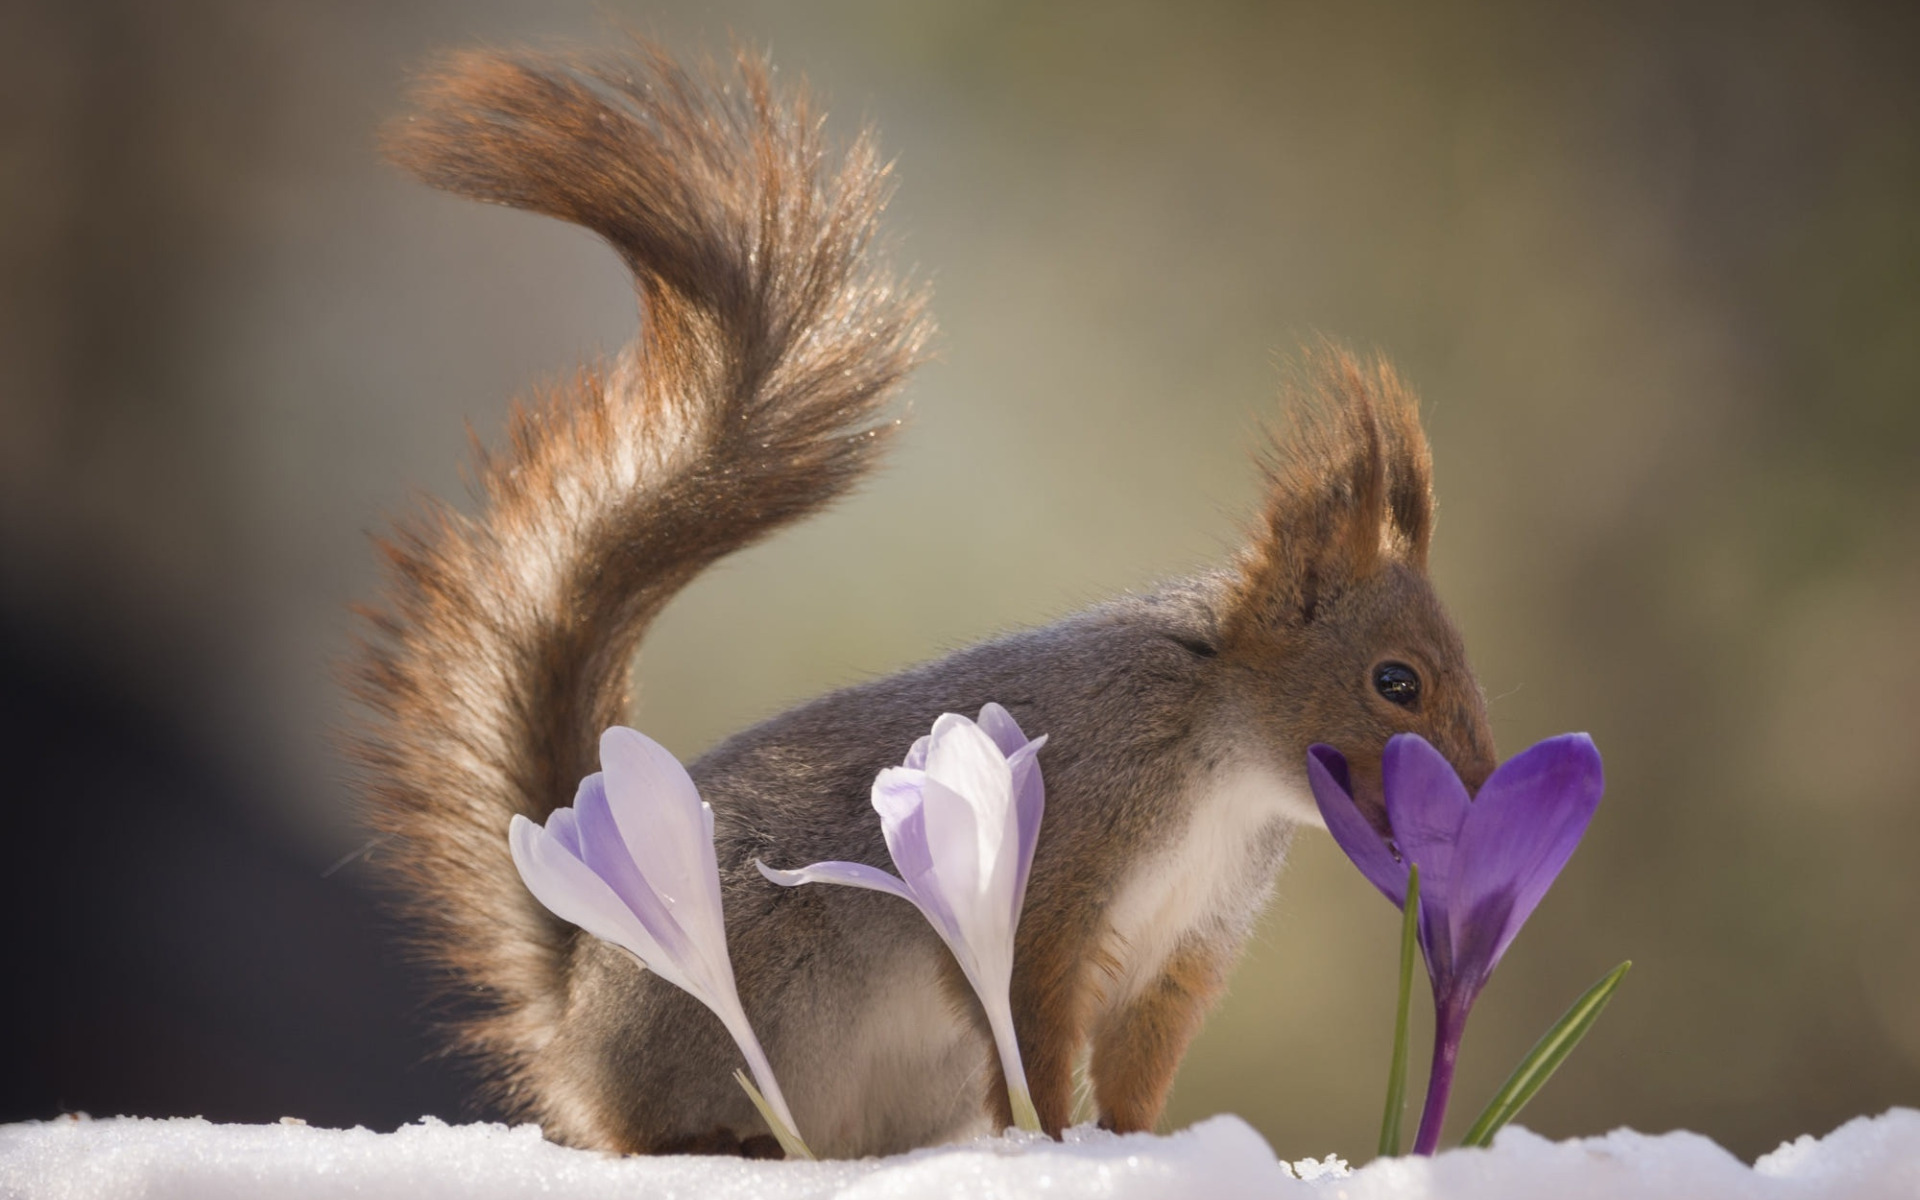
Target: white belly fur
x,y
1212,880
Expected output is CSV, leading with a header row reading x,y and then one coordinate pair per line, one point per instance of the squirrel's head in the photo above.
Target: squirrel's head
x,y
1332,624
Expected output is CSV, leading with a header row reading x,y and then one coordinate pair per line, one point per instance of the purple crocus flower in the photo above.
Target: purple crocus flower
x,y
1485,862
632,863
961,816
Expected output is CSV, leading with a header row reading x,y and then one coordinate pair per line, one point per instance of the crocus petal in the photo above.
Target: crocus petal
x,y
1426,805
969,791
896,793
998,724
571,891
1477,944
1327,776
605,853
970,785
664,826
965,760
852,874
1525,823
953,840
897,798
917,753
564,827
1029,806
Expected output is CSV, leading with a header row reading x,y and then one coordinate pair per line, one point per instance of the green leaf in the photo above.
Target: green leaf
x,y
1397,1073
1544,1059
789,1139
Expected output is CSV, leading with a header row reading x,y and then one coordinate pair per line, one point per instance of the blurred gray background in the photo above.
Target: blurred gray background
x,y
1655,269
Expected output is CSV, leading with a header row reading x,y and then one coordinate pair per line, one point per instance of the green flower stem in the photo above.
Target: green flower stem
x,y
788,1138
1397,1073
1545,1058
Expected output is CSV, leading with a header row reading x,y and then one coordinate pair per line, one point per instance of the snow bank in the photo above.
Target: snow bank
x,y
1219,1159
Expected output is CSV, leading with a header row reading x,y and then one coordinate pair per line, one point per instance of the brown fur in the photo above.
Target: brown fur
x,y
1137,1050
1348,487
1053,1002
768,346
770,339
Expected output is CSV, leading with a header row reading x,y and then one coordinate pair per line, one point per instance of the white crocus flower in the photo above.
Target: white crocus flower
x,y
632,863
961,817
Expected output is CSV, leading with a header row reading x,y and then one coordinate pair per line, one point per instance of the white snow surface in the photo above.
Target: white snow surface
x,y
130,1158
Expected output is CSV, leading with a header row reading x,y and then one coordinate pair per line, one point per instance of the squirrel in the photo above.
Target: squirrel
x,y
771,339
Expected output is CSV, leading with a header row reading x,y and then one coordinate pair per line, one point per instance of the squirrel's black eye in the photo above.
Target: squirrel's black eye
x,y
1397,682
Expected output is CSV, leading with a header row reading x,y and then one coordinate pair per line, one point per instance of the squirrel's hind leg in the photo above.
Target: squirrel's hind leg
x,y
1138,1046
1054,991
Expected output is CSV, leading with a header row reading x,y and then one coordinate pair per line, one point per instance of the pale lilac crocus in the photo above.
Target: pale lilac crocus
x,y
632,863
961,816
1485,862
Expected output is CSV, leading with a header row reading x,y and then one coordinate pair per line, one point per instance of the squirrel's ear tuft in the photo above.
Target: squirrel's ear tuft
x,y
1349,489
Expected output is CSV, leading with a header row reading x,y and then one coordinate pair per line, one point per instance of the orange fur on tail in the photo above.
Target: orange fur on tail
x,y
768,346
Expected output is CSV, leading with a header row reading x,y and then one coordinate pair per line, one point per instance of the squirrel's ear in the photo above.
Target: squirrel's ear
x,y
1349,489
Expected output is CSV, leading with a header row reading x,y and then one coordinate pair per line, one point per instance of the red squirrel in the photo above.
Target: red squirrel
x,y
771,339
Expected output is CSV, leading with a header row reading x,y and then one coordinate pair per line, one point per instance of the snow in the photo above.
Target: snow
x,y
1219,1159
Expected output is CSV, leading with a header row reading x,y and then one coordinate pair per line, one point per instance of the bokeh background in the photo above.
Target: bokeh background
x,y
1655,268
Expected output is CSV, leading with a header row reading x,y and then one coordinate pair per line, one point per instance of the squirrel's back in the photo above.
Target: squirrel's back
x,y
770,339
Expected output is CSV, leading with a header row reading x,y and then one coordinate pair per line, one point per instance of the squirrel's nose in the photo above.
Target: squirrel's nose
x,y
1469,747
1371,800
1474,769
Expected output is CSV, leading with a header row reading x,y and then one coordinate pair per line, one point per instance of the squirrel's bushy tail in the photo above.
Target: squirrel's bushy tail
x,y
769,340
